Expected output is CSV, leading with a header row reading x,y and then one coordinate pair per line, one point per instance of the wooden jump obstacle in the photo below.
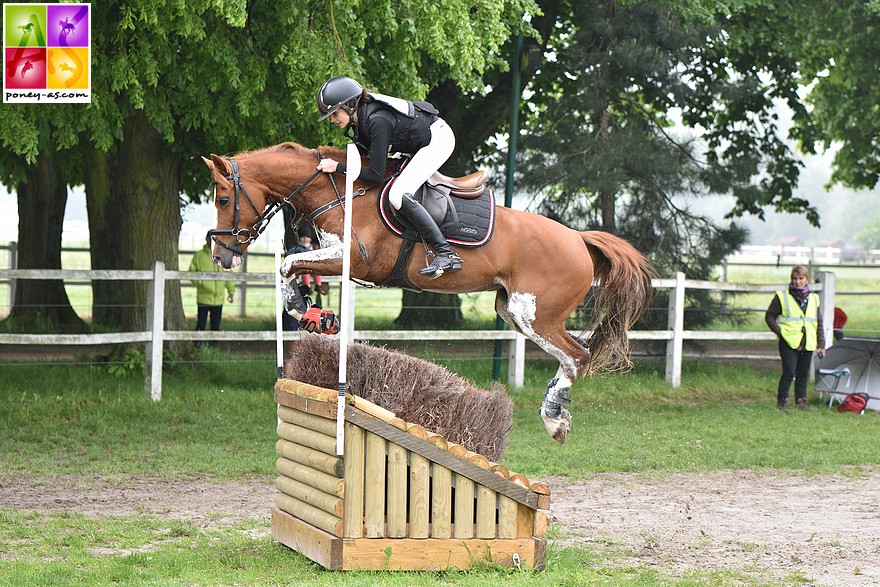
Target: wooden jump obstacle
x,y
400,498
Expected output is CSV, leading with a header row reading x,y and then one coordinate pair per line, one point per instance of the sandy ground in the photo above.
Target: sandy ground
x,y
826,529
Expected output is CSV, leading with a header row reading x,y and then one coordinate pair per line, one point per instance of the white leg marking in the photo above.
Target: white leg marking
x,y
332,251
521,308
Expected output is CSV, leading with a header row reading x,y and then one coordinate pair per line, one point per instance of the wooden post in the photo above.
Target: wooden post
x,y
517,361
464,507
507,517
676,325
396,491
419,492
242,289
353,517
155,324
374,491
486,500
441,502
826,304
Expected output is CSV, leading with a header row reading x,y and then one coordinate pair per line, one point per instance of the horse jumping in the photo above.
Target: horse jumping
x,y
540,269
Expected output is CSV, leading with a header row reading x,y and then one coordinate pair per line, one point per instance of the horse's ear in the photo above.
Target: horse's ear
x,y
209,163
220,164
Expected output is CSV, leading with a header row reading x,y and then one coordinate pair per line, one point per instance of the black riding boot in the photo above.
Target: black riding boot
x,y
445,259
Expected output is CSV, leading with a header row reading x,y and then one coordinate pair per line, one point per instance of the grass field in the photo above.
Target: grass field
x,y
217,420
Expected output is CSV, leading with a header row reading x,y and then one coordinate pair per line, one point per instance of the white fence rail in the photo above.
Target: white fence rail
x,y
804,255
155,336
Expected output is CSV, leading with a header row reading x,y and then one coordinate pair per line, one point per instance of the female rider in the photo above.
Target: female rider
x,y
379,124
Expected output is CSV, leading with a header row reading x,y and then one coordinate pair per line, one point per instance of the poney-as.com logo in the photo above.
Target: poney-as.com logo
x,y
47,53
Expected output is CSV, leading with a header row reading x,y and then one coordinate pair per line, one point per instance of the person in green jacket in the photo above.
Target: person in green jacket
x,y
210,294
794,316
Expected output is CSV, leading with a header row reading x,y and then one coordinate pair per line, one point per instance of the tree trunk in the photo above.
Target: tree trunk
x,y
606,197
136,210
108,303
42,304
430,310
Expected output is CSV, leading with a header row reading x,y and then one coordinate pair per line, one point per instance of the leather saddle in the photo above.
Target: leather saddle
x,y
462,207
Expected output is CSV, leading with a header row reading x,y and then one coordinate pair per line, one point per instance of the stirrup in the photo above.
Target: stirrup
x,y
447,263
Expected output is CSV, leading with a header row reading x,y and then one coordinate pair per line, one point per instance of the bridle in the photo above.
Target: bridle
x,y
249,235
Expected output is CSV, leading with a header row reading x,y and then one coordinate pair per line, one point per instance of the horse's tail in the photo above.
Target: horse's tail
x,y
623,295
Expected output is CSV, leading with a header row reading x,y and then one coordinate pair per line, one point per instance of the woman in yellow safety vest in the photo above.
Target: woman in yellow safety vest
x,y
795,318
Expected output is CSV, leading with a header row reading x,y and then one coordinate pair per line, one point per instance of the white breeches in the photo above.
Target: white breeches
x,y
424,163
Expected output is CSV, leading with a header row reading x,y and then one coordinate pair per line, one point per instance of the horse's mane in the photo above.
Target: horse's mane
x,y
289,147
286,147
297,150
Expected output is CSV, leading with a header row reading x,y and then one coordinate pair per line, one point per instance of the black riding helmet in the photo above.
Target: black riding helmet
x,y
338,92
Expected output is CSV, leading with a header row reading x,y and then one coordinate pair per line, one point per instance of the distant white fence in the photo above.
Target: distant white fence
x,y
154,337
803,255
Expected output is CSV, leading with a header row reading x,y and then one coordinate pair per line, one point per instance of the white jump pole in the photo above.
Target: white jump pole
x,y
346,305
278,227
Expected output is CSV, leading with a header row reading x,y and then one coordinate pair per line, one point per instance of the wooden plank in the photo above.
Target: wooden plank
x,y
332,504
319,546
463,512
354,481
441,501
486,502
419,495
309,513
305,474
396,487
305,437
305,390
304,404
307,420
310,457
435,555
372,409
507,517
374,491
434,454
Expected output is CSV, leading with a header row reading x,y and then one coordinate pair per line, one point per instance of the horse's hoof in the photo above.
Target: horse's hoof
x,y
557,428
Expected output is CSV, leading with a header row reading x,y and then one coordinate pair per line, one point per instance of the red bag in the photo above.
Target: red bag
x,y
854,402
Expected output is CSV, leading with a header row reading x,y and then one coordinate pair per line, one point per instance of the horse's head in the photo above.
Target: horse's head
x,y
241,213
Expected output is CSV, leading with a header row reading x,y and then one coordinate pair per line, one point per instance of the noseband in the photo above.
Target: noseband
x,y
248,235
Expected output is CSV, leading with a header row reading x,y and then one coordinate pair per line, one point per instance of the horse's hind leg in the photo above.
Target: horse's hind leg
x,y
519,310
557,419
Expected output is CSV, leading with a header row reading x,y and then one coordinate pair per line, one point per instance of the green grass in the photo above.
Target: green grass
x,y
217,420
42,550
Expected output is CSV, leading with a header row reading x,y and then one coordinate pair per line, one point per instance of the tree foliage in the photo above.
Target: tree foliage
x,y
840,51
175,80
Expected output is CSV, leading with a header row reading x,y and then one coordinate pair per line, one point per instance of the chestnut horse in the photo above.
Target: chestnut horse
x,y
540,269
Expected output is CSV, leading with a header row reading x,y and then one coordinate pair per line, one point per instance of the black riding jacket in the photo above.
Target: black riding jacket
x,y
382,129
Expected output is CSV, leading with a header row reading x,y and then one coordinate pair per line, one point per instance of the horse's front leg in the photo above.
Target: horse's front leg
x,y
323,261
